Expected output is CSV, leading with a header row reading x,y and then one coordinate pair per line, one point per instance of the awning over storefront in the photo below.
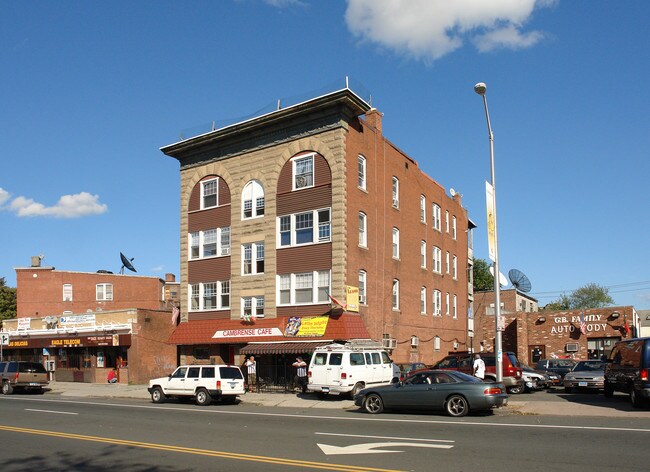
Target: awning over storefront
x,y
282,348
271,330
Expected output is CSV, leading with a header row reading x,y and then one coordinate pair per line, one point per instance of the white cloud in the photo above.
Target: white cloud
x,y
4,196
430,29
69,206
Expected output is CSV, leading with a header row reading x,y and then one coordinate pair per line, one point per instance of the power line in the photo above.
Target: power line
x,y
631,284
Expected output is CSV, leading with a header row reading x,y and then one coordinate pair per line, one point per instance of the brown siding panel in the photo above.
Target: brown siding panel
x,y
209,315
322,174
304,258
303,310
306,199
195,197
209,219
209,270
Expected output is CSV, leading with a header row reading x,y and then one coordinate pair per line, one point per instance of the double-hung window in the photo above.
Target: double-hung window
x,y
423,209
253,258
435,215
253,200
423,254
447,263
437,259
454,267
253,306
209,193
455,307
447,304
395,243
363,299
453,227
437,302
209,243
303,172
395,294
104,292
67,292
363,230
395,192
447,221
209,296
304,288
361,163
299,228
423,300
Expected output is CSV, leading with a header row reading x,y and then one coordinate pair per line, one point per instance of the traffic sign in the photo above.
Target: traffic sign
x,y
4,339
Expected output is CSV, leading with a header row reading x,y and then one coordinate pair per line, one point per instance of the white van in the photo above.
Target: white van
x,y
348,368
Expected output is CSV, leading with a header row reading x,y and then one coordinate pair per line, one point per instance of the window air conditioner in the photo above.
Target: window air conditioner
x,y
389,343
415,341
572,347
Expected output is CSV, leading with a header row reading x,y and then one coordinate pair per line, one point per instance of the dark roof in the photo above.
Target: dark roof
x,y
282,348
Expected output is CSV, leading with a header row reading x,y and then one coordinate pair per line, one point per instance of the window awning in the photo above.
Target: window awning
x,y
282,348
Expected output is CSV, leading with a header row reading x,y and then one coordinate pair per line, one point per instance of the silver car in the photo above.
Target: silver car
x,y
585,375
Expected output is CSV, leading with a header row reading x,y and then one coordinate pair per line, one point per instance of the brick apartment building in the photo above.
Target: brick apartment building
x,y
282,211
88,323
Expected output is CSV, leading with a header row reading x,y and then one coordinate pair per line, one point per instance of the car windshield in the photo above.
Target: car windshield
x,y
589,365
463,377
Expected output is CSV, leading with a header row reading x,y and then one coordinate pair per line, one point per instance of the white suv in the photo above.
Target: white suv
x,y
202,382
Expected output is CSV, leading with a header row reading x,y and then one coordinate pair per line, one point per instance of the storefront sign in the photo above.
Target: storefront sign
x,y
79,341
24,324
247,333
352,298
78,319
569,324
306,326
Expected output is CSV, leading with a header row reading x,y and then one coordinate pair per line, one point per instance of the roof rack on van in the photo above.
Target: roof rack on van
x,y
354,344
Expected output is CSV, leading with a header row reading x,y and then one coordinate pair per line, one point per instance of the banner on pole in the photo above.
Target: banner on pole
x,y
491,221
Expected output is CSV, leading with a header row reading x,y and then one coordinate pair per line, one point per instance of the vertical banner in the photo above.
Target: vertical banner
x,y
352,298
489,201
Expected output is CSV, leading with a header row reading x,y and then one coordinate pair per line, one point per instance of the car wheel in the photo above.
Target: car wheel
x,y
635,398
608,390
568,390
157,395
7,389
203,398
517,389
373,404
457,406
356,389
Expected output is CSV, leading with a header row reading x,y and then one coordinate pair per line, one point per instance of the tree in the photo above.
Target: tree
x,y
590,296
483,279
7,300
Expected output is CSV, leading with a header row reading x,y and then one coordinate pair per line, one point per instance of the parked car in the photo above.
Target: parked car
x,y
204,383
451,391
558,366
534,380
463,362
23,375
406,369
628,370
348,368
585,375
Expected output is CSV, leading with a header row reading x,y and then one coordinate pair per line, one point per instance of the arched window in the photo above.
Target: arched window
x,y
252,200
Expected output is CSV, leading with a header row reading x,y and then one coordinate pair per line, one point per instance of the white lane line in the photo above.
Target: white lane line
x,y
51,411
342,418
385,437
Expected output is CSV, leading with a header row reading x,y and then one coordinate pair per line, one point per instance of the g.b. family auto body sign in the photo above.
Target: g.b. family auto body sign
x,y
569,324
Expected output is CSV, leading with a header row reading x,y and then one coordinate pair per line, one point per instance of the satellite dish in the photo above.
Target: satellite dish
x,y
126,262
519,280
452,192
502,278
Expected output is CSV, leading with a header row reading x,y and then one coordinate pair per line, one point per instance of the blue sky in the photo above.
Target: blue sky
x,y
91,91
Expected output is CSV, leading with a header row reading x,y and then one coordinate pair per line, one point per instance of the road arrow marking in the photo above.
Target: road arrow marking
x,y
370,448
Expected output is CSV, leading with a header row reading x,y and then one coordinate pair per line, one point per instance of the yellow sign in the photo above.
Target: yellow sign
x,y
352,298
66,342
308,326
18,343
491,222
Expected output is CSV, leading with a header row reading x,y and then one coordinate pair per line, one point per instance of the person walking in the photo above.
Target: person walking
x,y
479,367
301,374
251,369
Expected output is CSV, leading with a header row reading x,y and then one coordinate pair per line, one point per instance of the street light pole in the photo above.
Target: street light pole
x,y
480,89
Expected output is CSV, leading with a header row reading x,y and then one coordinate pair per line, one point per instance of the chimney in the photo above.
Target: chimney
x,y
373,119
36,261
170,278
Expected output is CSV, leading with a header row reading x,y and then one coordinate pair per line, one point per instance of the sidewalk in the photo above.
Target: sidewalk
x,y
517,404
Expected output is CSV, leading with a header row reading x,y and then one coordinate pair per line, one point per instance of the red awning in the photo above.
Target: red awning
x,y
339,327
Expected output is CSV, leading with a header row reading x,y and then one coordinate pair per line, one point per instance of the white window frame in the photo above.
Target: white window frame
x,y
363,287
67,292
436,343
423,254
252,258
455,307
363,229
437,302
453,227
297,182
104,292
253,197
447,221
435,215
321,283
423,209
423,300
361,169
437,259
447,263
395,294
395,243
395,192
204,195
447,312
454,267
253,306
196,296
197,239
321,231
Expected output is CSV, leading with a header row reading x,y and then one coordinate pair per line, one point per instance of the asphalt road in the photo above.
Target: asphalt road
x,y
46,433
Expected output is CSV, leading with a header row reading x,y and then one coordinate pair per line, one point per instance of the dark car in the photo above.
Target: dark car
x,y
454,392
585,375
559,366
628,370
23,375
407,368
463,362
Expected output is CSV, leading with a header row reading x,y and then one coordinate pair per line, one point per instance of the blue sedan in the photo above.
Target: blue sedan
x,y
454,392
